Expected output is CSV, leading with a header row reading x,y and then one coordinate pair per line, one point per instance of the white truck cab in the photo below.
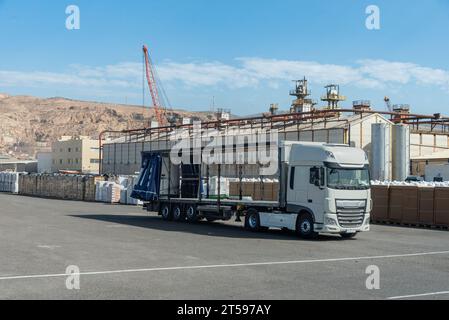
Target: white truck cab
x,y
327,190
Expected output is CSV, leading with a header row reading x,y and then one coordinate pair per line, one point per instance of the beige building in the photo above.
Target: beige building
x,y
80,154
419,163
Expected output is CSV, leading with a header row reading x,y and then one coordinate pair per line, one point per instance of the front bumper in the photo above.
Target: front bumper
x,y
331,225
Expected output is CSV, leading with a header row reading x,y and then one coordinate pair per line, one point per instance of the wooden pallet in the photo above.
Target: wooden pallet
x,y
411,225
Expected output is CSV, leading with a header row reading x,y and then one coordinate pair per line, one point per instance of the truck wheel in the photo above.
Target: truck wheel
x,y
348,235
252,220
192,213
165,212
305,226
177,214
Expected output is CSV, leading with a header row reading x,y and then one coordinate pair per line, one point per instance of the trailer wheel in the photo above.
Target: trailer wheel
x,y
177,214
305,226
252,220
165,212
192,213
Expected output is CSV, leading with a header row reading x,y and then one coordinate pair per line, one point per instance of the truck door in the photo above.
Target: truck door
x,y
316,192
297,189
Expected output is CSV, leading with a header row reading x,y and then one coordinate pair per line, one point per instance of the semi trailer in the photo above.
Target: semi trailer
x,y
322,188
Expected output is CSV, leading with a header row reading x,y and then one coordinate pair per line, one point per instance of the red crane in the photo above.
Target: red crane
x,y
152,84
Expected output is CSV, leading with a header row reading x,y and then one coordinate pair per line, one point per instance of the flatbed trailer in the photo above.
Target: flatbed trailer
x,y
309,201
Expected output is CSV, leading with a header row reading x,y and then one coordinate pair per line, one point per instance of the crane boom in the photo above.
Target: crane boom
x,y
152,84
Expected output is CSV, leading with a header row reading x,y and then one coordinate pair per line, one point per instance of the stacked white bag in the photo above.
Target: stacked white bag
x,y
444,184
9,182
117,192
128,184
213,186
108,192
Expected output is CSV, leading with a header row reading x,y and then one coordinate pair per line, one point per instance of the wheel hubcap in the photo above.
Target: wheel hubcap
x,y
177,213
306,227
165,212
190,212
253,221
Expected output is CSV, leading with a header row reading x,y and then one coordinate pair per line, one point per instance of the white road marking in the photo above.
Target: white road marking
x,y
237,265
419,295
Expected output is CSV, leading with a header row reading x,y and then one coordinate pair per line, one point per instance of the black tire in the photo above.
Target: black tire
x,y
166,212
348,235
177,214
305,226
192,213
252,221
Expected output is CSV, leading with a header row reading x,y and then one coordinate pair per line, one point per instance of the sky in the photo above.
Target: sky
x,y
234,54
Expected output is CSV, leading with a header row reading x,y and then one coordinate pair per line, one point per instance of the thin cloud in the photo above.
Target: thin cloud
x,y
404,73
244,73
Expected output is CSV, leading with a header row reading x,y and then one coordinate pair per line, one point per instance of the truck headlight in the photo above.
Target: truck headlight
x,y
330,222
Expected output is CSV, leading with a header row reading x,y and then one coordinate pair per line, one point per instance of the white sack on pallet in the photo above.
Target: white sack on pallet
x,y
9,182
108,192
128,183
414,183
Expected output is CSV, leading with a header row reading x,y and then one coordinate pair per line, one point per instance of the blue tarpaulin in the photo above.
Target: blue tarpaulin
x,y
149,183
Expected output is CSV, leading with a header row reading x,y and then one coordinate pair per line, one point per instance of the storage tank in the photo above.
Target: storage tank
x,y
401,152
380,151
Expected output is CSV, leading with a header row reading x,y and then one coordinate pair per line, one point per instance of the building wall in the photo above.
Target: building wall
x,y
424,144
418,167
44,162
90,156
361,132
67,155
125,158
78,154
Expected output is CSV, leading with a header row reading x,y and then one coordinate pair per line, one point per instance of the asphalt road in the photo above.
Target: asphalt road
x,y
124,253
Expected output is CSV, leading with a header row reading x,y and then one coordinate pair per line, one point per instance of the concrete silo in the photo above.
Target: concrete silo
x,y
381,151
401,152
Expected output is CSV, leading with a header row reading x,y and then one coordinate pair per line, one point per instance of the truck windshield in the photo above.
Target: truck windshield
x,y
348,179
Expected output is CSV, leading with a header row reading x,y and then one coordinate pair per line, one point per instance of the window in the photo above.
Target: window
x,y
317,176
77,150
348,179
292,178
76,161
69,150
61,161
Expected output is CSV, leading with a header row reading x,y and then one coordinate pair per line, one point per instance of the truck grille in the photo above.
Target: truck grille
x,y
351,214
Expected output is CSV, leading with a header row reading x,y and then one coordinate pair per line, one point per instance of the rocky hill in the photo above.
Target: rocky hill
x,y
29,124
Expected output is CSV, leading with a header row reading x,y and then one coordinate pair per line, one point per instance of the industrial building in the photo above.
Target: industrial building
x,y
419,163
8,163
77,154
400,136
